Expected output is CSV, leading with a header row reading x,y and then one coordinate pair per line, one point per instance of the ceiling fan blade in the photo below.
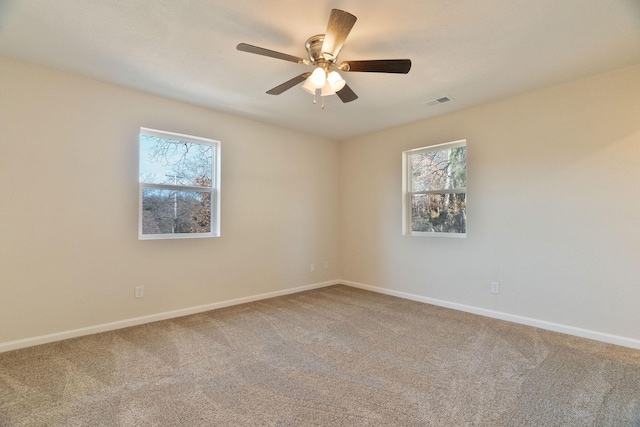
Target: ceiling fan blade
x,y
401,66
346,94
270,53
338,28
288,84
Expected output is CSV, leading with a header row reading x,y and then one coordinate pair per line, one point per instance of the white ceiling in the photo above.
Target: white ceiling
x,y
474,51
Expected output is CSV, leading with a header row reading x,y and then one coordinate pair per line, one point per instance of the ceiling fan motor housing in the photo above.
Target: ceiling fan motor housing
x,y
314,47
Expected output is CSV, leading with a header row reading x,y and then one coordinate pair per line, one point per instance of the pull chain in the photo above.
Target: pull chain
x,y
315,101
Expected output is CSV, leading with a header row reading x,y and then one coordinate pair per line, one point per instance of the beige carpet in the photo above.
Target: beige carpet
x,y
335,356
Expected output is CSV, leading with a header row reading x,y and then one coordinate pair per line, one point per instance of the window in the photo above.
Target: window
x,y
435,190
179,186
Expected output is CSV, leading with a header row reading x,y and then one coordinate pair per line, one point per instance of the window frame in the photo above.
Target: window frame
x,y
214,189
407,193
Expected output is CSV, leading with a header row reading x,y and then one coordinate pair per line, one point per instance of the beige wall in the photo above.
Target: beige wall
x,y
69,252
553,202
553,208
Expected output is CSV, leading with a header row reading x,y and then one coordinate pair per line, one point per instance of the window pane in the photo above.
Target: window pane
x,y
440,213
439,169
171,211
169,161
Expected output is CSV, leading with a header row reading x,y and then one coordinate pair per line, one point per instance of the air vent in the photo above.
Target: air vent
x,y
438,101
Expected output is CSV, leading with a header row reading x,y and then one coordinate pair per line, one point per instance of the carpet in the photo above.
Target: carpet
x,y
336,356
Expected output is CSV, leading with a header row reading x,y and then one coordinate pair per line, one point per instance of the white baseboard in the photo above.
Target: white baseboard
x,y
59,336
542,324
570,330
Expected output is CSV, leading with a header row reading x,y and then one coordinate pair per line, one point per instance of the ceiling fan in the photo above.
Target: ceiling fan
x,y
323,50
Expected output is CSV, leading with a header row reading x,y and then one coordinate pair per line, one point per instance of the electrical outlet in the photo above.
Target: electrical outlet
x,y
326,265
139,291
312,268
495,287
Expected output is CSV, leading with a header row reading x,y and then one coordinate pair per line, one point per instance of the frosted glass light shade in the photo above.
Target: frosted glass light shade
x,y
326,90
336,81
318,77
309,86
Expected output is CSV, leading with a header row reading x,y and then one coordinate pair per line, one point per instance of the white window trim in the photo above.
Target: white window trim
x,y
406,190
215,187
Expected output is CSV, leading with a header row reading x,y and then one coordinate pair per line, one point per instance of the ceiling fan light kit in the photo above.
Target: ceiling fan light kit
x,y
318,77
335,80
323,50
327,90
309,87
